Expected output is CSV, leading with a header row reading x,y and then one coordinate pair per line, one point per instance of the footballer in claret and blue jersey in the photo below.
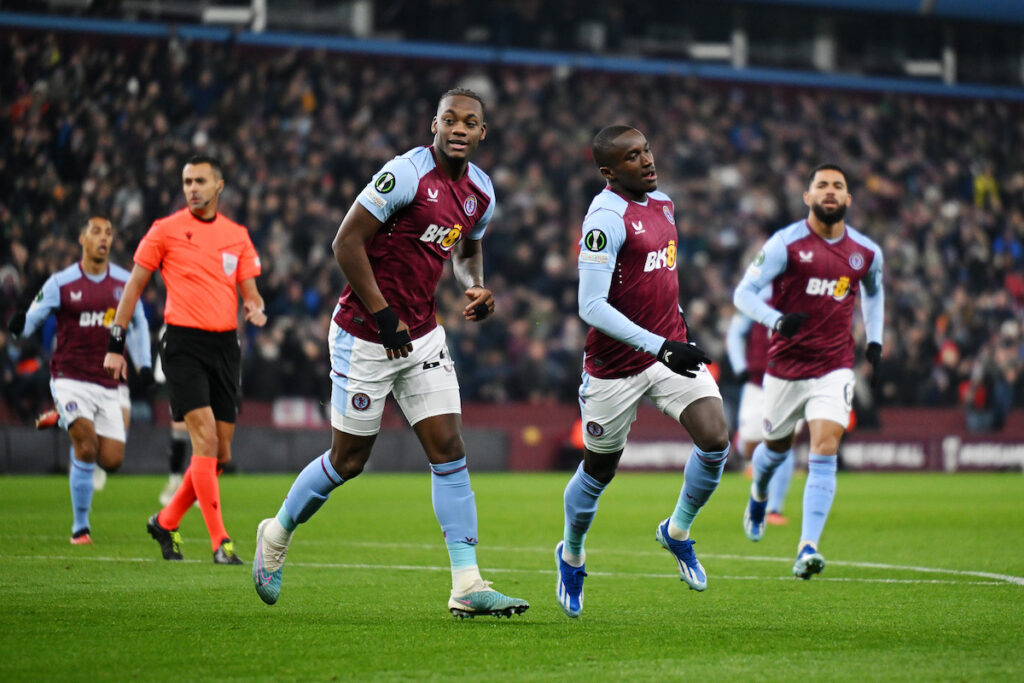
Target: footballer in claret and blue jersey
x,y
84,306
425,215
636,243
812,275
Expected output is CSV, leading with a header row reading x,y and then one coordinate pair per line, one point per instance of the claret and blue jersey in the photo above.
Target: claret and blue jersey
x,y
629,286
821,278
84,305
426,215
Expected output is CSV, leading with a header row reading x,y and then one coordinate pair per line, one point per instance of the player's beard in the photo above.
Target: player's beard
x,y
826,216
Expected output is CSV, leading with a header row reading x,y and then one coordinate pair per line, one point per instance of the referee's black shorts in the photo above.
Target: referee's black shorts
x,y
203,369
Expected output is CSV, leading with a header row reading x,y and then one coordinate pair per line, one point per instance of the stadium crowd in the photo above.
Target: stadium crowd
x,y
96,125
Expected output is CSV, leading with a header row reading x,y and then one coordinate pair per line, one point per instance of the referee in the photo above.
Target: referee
x,y
204,259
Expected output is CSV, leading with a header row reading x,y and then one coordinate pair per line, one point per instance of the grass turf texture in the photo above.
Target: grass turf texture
x,y
366,585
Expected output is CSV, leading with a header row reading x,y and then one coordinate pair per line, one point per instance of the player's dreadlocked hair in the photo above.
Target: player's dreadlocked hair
x,y
604,142
464,92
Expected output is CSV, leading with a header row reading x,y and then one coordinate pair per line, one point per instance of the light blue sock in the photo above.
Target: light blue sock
x,y
766,461
309,491
581,494
819,491
700,479
80,481
778,487
455,509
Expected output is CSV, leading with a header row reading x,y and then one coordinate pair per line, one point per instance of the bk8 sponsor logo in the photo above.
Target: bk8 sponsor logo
x,y
661,258
445,237
96,318
837,289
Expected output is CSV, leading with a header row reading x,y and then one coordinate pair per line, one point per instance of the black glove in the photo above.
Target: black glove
x,y
682,358
387,327
873,354
480,311
17,323
146,379
790,323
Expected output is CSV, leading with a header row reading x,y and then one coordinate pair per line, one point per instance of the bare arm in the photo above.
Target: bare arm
x,y
252,302
114,363
358,227
468,267
132,291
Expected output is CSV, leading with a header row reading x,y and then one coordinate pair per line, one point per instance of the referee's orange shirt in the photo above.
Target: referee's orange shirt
x,y
201,263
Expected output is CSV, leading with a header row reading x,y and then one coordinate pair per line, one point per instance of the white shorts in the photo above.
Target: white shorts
x,y
424,384
829,397
98,404
609,406
750,415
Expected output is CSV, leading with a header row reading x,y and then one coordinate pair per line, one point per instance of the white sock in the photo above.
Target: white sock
x,y
677,533
573,560
466,580
756,496
275,534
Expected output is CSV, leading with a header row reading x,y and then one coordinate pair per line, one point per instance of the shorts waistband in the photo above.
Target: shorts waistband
x,y
196,333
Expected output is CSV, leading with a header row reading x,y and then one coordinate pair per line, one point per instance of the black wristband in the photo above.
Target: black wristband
x,y
387,328
115,343
387,321
873,353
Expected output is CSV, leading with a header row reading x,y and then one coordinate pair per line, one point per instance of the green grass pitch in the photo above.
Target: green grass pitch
x,y
923,583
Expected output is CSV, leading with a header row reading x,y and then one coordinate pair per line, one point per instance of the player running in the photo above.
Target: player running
x,y
93,407
421,209
816,268
637,346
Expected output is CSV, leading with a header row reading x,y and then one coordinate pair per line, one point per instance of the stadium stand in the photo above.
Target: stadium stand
x,y
101,124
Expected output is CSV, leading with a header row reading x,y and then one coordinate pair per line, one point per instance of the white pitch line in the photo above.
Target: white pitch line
x,y
1004,578
1007,578
1000,579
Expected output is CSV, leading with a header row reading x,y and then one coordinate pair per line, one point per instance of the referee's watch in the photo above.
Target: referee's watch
x,y
115,344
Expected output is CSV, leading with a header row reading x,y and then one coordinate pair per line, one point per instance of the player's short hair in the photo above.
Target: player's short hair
x,y
464,92
95,217
214,162
604,143
827,166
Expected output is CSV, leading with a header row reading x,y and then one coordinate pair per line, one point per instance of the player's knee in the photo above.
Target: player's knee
x,y
349,463
111,464
87,450
601,466
450,449
825,446
349,469
206,445
716,445
712,438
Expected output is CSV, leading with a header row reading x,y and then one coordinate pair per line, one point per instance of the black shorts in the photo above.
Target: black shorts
x,y
203,369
